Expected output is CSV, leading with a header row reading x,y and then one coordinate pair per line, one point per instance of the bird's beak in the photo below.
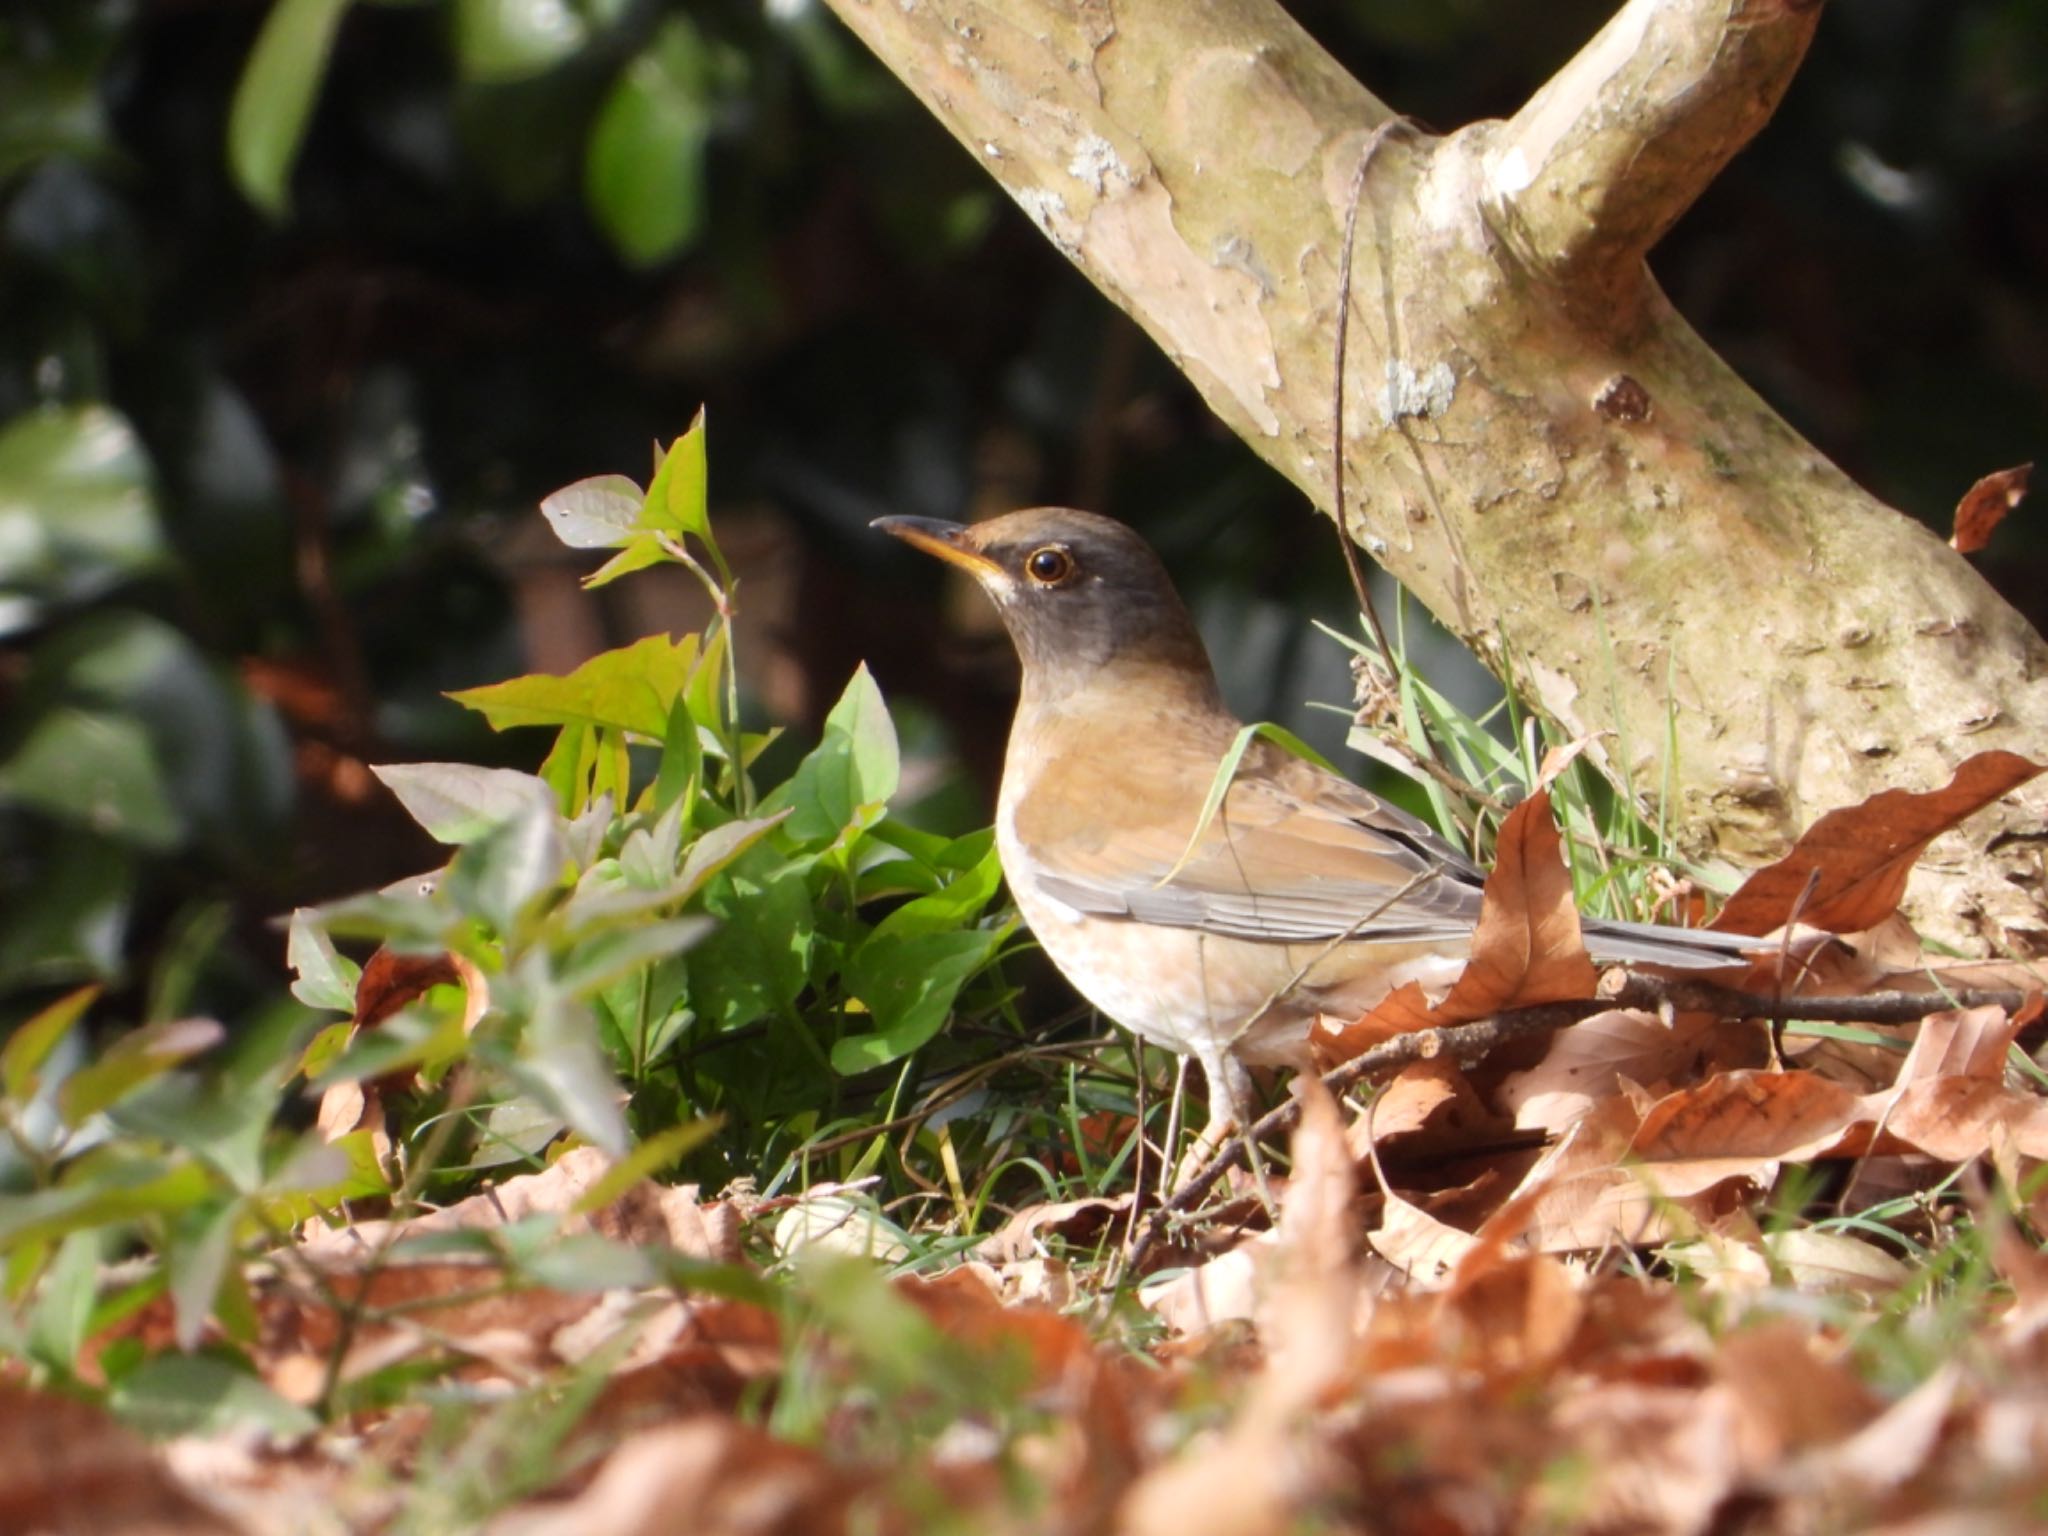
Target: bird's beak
x,y
946,540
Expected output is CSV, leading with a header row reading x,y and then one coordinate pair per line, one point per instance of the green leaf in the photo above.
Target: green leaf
x,y
198,1262
503,874
595,965
62,1317
99,770
102,1193
758,960
325,978
679,499
720,847
131,1061
643,173
908,982
632,689
458,802
954,905
682,762
77,511
641,551
561,1061
170,1395
22,1058
662,1150
848,779
500,41
599,513
77,925
275,97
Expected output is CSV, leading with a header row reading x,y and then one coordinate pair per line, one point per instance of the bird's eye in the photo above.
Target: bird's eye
x,y
1049,566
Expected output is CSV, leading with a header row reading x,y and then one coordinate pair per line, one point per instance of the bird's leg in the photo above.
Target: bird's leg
x,y
1230,1113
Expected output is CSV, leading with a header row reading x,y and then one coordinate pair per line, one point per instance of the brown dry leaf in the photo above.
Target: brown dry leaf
x,y
1586,1063
1654,1459
1254,1479
1078,1221
1429,1109
1428,1251
1984,506
1739,1125
710,1475
390,980
644,1214
1789,1395
1527,947
1965,1042
1223,1290
1893,1448
1517,1314
1958,1118
1579,1197
68,1469
1861,855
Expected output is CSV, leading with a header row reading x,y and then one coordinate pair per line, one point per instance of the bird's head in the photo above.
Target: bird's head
x,y
1078,592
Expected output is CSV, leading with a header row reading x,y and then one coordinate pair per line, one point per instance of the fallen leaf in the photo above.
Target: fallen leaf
x,y
1984,506
1860,856
1584,1064
1526,948
1077,1221
720,1477
67,1467
1738,1125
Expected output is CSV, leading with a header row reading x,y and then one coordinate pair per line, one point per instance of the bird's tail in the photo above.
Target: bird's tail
x,y
1612,943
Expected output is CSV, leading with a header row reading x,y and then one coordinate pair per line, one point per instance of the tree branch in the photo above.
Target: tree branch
x,y
1571,481
1618,143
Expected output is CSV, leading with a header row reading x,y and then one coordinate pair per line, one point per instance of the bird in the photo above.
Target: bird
x,y
1219,939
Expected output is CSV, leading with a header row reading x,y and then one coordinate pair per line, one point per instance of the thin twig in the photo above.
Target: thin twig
x,y
1351,563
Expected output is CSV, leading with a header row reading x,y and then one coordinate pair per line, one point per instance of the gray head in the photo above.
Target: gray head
x,y
1078,593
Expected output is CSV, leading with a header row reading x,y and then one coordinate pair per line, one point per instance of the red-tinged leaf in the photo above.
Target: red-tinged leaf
x,y
1527,948
1859,857
391,980
1985,504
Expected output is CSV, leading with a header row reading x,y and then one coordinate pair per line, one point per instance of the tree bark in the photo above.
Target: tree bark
x,y
1536,443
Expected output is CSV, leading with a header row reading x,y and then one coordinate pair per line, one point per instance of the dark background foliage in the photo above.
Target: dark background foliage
x,y
267,478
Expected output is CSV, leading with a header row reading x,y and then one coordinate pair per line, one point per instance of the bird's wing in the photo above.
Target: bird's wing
x,y
1295,855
